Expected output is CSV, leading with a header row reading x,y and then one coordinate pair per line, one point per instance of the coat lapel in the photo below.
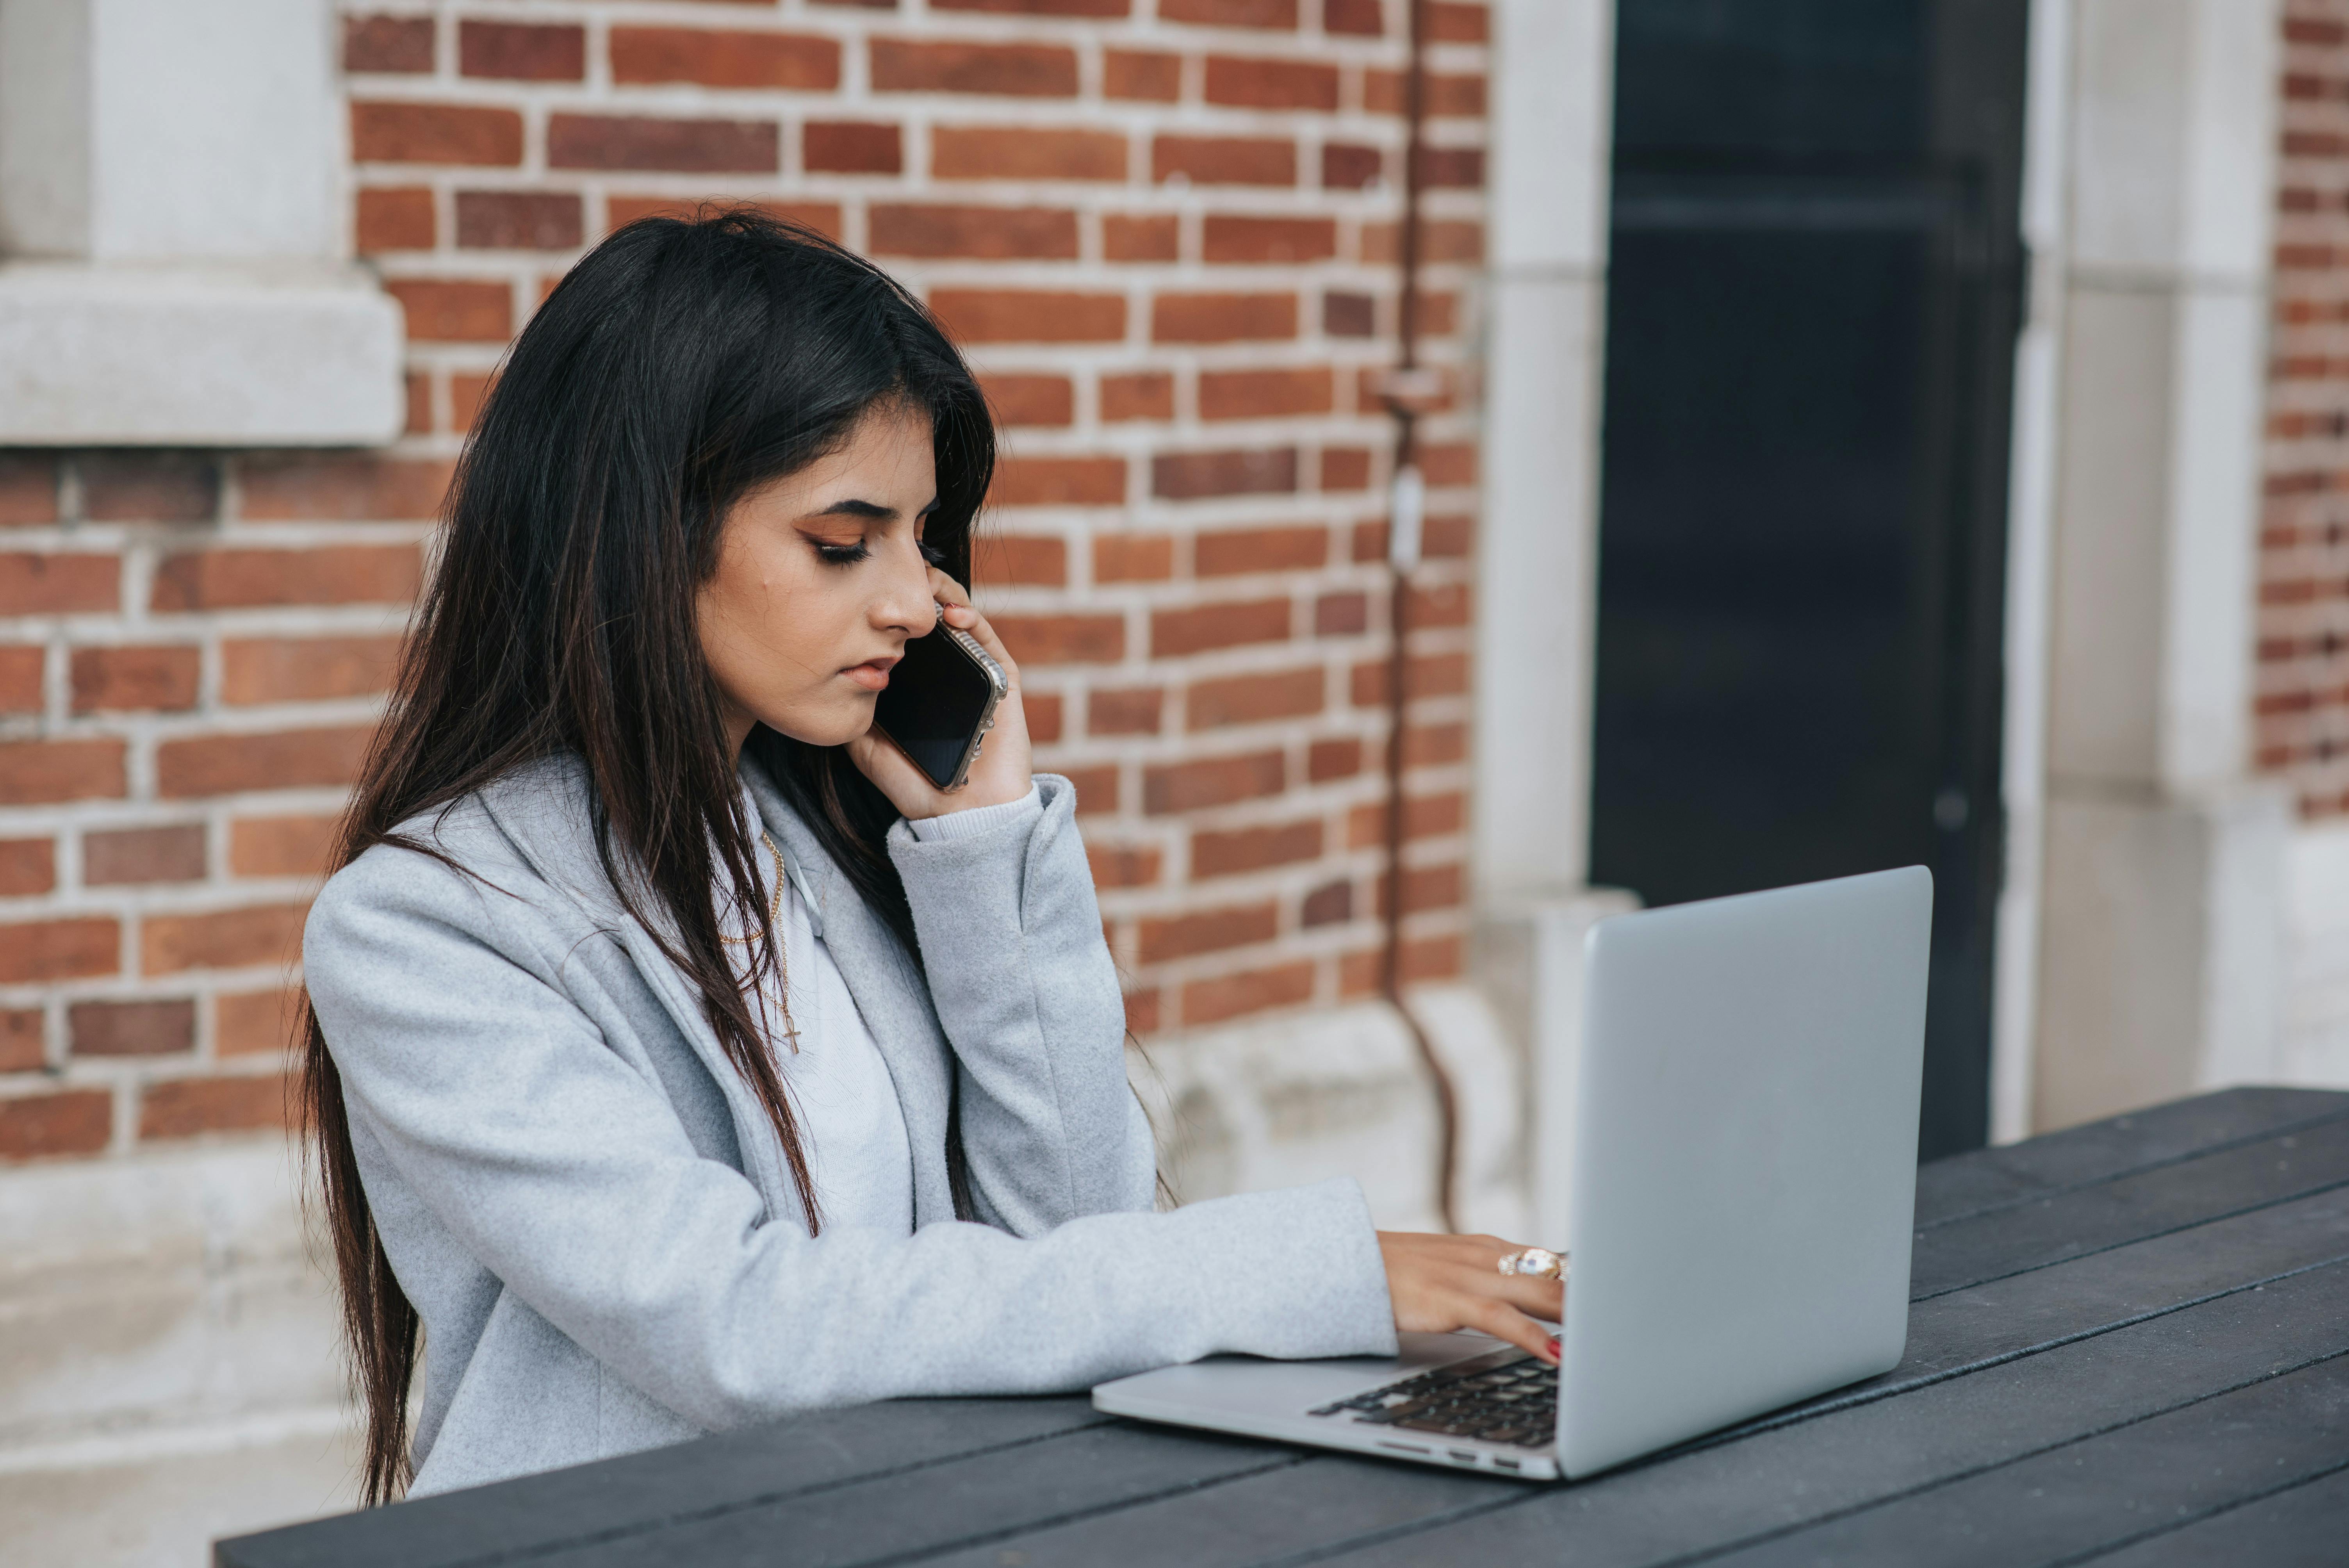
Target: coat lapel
x,y
543,811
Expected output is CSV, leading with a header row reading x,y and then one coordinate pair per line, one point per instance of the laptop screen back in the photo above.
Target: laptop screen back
x,y
1746,1151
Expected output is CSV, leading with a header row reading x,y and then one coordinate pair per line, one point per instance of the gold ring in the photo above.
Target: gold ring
x,y
1538,1263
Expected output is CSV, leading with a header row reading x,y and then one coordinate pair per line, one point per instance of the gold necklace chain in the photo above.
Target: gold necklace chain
x,y
782,959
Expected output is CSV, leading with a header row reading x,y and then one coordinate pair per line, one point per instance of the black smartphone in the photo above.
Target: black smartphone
x,y
940,703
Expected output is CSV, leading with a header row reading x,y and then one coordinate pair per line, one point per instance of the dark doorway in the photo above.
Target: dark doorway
x,y
1813,301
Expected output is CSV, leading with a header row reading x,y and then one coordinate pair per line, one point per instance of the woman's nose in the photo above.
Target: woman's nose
x,y
905,603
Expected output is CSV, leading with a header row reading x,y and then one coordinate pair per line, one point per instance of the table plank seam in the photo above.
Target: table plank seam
x,y
1075,1515
1380,1537
1726,1548
541,1549
2229,1146
2310,1479
1926,1380
2133,1240
1534,1494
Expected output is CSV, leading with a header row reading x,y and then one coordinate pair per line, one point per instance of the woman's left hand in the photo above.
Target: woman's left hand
x,y
1004,767
1440,1283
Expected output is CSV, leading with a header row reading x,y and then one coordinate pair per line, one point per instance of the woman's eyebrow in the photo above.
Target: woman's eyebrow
x,y
852,507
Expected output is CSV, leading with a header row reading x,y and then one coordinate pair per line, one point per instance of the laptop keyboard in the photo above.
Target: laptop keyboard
x,y
1506,1396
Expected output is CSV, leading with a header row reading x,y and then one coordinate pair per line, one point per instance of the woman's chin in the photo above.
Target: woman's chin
x,y
834,726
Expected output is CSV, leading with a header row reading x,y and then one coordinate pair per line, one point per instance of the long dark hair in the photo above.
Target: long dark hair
x,y
676,367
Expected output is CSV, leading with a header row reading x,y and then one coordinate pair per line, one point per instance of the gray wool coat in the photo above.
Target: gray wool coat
x,y
592,1214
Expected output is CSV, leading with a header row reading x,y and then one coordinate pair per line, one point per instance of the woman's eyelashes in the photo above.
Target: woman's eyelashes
x,y
835,553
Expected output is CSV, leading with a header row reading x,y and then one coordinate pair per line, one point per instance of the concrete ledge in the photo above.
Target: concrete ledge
x,y
2163,947
160,1505
1295,1099
229,357
1298,1098
1528,956
2316,1002
170,1291
170,1370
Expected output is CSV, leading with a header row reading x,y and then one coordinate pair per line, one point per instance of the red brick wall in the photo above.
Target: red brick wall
x,y
192,647
1166,231
2303,702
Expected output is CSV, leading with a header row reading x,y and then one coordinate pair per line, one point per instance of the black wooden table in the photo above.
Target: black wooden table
x,y
2130,1343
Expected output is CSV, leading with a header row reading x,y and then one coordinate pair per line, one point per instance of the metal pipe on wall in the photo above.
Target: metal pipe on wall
x,y
1408,391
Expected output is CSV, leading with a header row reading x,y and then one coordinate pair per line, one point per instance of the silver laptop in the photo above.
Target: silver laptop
x,y
1745,1182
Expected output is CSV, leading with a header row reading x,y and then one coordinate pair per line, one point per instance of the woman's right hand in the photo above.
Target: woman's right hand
x,y
1000,775
1438,1284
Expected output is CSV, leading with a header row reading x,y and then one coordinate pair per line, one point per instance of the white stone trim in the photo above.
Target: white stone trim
x,y
144,131
2316,955
97,356
1553,77
2140,928
174,205
2029,566
1536,559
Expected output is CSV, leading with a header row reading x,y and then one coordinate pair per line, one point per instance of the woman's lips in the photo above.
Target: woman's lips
x,y
872,674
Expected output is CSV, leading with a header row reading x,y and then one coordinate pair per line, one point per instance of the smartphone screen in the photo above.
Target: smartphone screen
x,y
933,704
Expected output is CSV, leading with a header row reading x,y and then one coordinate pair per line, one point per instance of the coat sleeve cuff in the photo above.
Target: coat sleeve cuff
x,y
979,820
1295,1274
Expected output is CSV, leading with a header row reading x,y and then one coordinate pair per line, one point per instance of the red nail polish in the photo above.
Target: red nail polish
x,y
1553,1350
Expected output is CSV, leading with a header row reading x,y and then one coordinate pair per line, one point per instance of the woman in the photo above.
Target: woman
x,y
677,1056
